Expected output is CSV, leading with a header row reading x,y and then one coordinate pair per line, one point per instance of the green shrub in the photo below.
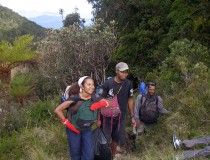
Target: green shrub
x,y
40,111
11,148
21,86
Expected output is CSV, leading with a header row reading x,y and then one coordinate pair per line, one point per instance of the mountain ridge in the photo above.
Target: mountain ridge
x,y
48,21
14,25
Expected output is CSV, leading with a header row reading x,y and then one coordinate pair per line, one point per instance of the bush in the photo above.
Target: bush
x,y
39,112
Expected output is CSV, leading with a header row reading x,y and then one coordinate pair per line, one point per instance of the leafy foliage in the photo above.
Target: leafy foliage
x,y
21,86
146,28
73,18
73,52
184,81
12,55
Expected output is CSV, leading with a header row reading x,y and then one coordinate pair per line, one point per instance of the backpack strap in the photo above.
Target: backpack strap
x,y
143,100
157,99
120,88
76,104
141,104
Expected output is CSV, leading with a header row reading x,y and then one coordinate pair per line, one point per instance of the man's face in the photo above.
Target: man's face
x,y
151,90
122,74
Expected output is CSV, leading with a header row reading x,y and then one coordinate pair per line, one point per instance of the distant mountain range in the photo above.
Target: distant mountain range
x,y
54,22
13,25
48,21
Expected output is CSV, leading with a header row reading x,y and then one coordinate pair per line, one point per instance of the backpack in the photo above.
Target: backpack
x,y
65,95
148,112
142,88
80,115
113,110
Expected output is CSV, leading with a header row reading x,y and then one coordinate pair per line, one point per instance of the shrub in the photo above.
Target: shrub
x,y
40,111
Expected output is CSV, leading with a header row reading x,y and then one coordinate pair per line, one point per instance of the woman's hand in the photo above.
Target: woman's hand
x,y
70,126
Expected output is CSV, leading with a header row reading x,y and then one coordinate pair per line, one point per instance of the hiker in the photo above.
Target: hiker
x,y
188,144
82,101
147,108
112,120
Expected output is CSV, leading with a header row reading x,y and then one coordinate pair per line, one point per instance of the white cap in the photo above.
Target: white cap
x,y
122,66
80,82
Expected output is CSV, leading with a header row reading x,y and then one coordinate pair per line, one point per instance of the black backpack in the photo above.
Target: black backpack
x,y
148,112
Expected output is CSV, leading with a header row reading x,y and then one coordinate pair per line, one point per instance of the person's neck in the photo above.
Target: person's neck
x,y
85,95
117,79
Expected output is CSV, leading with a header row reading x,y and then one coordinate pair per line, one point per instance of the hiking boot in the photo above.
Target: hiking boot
x,y
176,142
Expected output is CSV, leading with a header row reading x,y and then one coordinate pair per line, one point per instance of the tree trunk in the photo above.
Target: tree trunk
x,y
5,78
4,97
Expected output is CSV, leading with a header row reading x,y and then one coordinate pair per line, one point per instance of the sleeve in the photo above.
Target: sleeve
x,y
130,90
137,107
161,108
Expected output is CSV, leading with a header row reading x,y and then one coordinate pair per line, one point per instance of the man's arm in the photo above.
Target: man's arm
x,y
161,109
137,107
130,106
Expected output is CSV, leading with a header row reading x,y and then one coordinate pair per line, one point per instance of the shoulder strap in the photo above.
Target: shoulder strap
x,y
157,100
119,89
145,98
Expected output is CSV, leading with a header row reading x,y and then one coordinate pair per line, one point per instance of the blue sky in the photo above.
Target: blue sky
x,y
34,8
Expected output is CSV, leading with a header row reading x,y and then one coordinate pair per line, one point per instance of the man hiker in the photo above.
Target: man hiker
x,y
147,108
119,90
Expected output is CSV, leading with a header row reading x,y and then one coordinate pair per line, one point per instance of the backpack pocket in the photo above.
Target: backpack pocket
x,y
113,110
84,118
84,124
149,111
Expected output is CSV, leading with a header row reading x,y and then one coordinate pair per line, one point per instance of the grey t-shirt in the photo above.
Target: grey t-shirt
x,y
110,89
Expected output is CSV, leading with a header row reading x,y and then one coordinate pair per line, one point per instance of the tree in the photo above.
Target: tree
x,y
21,86
73,52
13,55
61,13
73,18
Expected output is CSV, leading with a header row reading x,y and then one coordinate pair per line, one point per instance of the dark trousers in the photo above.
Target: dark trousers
x,y
81,145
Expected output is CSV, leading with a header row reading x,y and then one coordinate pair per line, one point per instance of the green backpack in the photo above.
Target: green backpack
x,y
83,118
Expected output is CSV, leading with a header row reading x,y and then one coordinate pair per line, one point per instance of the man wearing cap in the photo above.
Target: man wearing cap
x,y
120,86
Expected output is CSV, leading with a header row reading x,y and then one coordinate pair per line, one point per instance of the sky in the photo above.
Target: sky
x,y
34,8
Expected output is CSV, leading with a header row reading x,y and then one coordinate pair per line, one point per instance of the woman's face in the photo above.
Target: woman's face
x,y
88,86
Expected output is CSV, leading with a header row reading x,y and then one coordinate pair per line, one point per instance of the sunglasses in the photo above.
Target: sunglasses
x,y
151,84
